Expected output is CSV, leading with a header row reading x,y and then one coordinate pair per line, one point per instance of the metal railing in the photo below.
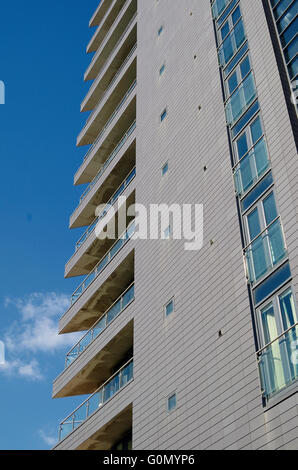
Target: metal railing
x,y
265,251
117,109
104,262
111,201
110,86
278,362
119,380
113,312
109,160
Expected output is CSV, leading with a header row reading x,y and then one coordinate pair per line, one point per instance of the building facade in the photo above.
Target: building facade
x,y
191,102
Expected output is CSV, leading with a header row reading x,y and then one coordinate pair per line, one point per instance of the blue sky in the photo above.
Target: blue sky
x,y
42,61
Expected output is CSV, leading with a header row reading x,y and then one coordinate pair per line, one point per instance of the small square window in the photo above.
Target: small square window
x,y
162,69
167,233
165,169
163,115
172,402
169,308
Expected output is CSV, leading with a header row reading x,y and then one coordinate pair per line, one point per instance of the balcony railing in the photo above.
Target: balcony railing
x,y
108,205
104,262
241,99
251,167
265,251
114,79
114,311
278,362
119,106
97,400
109,160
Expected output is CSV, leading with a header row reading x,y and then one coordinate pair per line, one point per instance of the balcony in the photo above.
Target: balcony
x,y
104,262
241,99
100,12
105,25
124,22
110,103
105,393
122,118
251,168
89,249
113,199
265,251
116,62
278,364
105,289
118,164
100,359
116,309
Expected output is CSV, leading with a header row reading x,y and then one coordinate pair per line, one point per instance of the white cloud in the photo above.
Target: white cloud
x,y
49,440
17,367
35,331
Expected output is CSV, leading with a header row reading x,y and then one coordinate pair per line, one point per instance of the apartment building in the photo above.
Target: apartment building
x,y
190,102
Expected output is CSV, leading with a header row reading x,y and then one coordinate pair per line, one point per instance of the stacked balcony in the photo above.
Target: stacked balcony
x,y
102,306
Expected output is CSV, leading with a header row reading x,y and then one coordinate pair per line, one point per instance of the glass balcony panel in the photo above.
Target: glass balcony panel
x,y
277,363
111,388
241,99
95,402
65,429
99,327
118,245
265,252
251,167
276,242
126,374
232,44
80,415
128,297
113,312
86,341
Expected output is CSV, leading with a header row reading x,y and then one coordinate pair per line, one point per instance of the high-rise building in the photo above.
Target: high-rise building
x,y
192,103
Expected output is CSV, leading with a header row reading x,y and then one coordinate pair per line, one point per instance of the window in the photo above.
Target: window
x,y
169,308
162,69
264,232
165,169
241,99
160,31
231,36
163,115
278,337
167,233
238,75
172,402
251,154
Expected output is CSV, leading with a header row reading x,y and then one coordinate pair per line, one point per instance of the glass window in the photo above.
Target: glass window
x,y
169,309
172,402
278,334
163,115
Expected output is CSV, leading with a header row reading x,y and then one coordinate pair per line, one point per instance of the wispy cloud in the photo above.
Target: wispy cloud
x,y
34,331
49,440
